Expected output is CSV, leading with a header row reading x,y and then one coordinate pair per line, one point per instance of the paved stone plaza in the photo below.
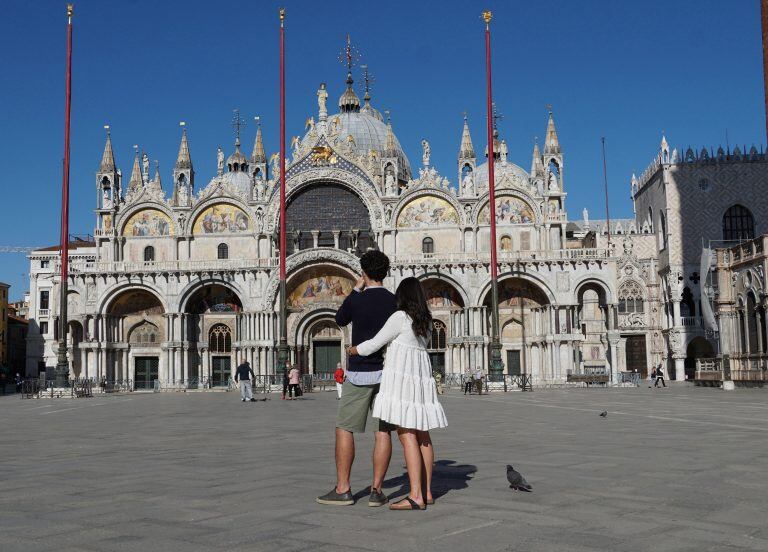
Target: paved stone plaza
x,y
675,469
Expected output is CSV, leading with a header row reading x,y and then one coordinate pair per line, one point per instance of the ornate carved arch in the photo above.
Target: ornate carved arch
x,y
364,188
411,195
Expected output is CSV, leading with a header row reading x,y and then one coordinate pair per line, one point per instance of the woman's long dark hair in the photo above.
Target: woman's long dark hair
x,y
411,299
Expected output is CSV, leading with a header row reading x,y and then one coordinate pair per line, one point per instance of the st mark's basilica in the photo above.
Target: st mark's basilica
x,y
178,288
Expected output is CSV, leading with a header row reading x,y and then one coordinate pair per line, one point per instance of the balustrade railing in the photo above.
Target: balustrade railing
x,y
691,321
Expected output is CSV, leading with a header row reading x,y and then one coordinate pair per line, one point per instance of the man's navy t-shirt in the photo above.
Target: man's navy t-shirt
x,y
368,311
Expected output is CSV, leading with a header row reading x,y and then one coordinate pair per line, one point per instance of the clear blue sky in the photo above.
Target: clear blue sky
x,y
625,70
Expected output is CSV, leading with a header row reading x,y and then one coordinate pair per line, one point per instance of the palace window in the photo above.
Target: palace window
x,y
427,245
45,299
220,339
630,298
43,328
437,340
738,224
149,254
45,264
223,251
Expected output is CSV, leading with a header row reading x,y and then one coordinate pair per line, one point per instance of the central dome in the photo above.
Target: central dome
x,y
368,130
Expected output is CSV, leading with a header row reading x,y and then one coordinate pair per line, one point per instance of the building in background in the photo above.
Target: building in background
x,y
175,288
21,307
4,324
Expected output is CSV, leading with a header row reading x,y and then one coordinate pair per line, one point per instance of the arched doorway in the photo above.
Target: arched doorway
x,y
699,347
524,321
447,307
436,347
325,345
210,323
220,345
593,317
134,329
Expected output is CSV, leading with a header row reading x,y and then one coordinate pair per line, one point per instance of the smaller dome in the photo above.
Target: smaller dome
x,y
237,161
349,102
238,180
500,169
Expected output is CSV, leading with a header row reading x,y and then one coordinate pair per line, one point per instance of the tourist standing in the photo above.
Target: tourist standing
x,y
338,376
294,377
367,308
243,376
652,376
659,377
468,380
408,395
478,376
19,382
285,383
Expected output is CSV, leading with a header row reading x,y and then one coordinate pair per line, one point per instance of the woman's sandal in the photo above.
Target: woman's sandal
x,y
406,504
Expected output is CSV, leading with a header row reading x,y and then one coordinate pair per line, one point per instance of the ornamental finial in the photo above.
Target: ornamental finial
x,y
70,11
282,16
487,16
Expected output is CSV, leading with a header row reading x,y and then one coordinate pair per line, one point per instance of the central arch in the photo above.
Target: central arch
x,y
328,214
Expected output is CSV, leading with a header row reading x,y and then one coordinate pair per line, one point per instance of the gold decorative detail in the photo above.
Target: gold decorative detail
x,y
221,218
70,10
322,155
487,16
427,211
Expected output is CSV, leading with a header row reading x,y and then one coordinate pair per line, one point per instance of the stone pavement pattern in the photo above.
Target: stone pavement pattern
x,y
679,469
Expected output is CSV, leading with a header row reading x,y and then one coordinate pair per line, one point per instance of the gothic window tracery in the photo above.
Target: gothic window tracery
x,y
223,251
437,340
220,339
630,298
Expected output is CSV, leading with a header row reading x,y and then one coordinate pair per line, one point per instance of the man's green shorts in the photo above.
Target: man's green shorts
x,y
355,405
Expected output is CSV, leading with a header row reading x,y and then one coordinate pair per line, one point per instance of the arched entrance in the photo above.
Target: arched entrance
x,y
524,320
447,307
210,323
134,329
699,347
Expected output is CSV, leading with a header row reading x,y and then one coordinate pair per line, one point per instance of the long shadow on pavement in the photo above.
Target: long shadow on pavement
x,y
447,476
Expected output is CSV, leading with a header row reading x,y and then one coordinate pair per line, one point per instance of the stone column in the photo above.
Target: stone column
x,y
679,367
126,367
676,321
613,342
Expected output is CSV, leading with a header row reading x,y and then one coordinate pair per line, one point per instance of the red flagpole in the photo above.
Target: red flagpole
x,y
282,349
495,364
62,365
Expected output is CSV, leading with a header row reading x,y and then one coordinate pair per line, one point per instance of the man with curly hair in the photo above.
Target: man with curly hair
x,y
367,308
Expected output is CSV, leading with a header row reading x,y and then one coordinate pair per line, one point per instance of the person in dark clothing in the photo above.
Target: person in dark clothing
x,y
659,377
19,382
286,382
367,308
243,376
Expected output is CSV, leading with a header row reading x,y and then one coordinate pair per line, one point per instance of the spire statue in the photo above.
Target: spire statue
x,y
220,161
427,152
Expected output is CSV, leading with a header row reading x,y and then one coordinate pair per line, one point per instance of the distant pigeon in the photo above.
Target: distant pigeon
x,y
517,481
604,414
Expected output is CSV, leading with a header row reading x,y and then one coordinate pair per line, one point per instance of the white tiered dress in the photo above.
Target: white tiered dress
x,y
407,396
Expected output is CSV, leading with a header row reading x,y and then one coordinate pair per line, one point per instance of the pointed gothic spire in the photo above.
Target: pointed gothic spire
x,y
107,158
466,150
536,164
552,144
136,180
183,160
157,174
258,155
390,149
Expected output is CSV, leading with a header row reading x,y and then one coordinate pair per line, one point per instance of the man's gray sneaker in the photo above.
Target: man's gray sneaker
x,y
377,499
336,499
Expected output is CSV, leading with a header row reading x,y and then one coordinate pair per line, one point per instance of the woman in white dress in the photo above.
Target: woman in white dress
x,y
407,397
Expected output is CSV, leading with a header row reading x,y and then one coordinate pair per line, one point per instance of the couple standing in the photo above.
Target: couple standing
x,y
399,390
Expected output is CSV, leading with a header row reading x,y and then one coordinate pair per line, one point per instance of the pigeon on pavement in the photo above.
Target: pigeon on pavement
x,y
604,414
517,481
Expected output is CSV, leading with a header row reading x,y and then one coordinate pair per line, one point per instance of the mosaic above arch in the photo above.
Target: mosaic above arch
x,y
147,222
320,284
427,211
509,210
221,218
441,294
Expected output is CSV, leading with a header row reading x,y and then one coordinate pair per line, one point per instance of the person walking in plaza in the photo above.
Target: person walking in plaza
x,y
478,378
286,382
19,382
243,376
294,378
468,380
659,377
338,377
652,376
367,308
408,395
